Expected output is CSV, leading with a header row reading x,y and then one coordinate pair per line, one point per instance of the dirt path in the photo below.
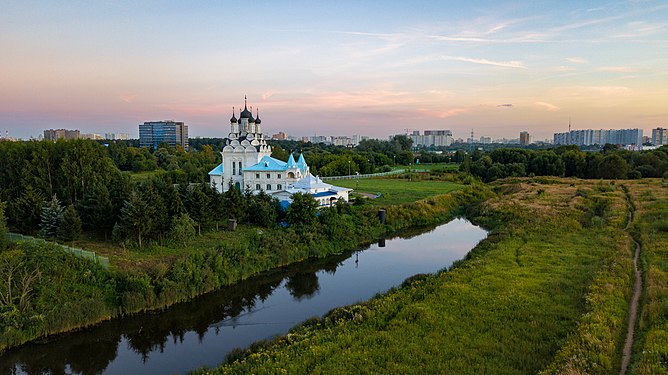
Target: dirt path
x,y
633,307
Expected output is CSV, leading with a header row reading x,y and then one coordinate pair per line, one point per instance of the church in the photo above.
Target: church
x,y
247,165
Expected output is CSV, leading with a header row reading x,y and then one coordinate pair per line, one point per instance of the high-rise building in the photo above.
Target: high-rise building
x,y
590,137
659,137
153,133
431,138
525,138
54,135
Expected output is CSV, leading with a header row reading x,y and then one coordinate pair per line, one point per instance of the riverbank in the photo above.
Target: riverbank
x,y
548,290
83,294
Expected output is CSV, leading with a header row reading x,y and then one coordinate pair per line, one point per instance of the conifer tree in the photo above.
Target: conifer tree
x,y
70,227
51,218
27,210
198,207
136,218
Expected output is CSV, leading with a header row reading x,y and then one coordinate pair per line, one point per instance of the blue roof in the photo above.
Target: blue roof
x,y
291,162
218,171
267,163
323,194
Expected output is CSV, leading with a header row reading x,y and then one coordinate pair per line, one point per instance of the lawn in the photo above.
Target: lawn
x,y
397,191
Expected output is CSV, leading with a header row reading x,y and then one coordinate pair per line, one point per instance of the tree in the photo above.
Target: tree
x,y
183,228
70,227
51,218
136,218
303,210
198,206
26,211
3,227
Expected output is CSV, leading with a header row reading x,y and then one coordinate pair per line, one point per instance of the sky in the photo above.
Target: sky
x,y
334,67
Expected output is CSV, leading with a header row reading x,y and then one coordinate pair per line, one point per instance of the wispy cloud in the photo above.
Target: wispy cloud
x,y
616,69
505,105
576,60
548,106
504,64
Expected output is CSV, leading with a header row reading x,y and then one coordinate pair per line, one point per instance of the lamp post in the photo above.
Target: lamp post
x,y
349,167
394,159
357,183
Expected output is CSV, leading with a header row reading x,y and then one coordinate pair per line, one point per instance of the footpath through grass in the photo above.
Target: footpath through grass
x,y
651,228
546,291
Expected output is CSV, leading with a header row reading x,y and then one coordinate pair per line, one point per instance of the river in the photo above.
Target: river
x,y
200,333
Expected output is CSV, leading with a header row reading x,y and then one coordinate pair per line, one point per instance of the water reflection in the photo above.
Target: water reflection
x,y
201,332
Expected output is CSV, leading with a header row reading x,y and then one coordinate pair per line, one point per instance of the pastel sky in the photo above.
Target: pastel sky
x,y
334,67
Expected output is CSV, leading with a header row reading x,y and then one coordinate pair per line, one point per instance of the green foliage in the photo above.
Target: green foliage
x,y
26,211
137,219
302,211
183,229
51,218
70,226
3,227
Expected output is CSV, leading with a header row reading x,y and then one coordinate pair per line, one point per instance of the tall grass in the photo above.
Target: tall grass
x,y
508,308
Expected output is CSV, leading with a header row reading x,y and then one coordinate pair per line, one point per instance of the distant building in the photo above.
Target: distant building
x,y
590,137
152,133
431,138
485,140
525,138
659,137
117,136
280,136
54,135
91,136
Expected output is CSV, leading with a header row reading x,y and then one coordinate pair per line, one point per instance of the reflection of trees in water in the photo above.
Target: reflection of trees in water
x,y
303,285
91,351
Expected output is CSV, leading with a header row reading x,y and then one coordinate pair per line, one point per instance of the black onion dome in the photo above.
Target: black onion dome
x,y
233,119
258,121
246,113
257,116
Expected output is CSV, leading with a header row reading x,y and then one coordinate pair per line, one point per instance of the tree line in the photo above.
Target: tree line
x,y
568,161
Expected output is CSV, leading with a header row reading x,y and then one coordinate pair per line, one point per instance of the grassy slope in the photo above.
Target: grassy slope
x,y
507,310
651,227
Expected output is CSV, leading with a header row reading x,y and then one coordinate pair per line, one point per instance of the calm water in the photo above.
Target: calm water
x,y
200,333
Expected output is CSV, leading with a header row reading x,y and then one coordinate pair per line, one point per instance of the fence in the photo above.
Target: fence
x,y
103,261
355,176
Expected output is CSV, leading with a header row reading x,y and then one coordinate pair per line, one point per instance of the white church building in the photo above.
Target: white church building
x,y
247,165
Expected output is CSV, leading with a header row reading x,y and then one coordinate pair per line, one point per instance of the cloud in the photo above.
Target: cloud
x,y
505,105
617,69
548,106
504,64
576,60
128,98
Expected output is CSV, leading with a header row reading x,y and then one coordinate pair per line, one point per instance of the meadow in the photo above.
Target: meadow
x,y
546,292
399,190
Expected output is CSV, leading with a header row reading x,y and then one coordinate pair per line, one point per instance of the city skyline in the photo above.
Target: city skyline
x,y
347,68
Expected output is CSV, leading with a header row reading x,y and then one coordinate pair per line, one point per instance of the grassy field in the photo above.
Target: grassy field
x,y
547,291
651,228
398,190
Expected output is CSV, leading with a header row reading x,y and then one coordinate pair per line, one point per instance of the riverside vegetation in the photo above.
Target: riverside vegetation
x,y
547,292
157,258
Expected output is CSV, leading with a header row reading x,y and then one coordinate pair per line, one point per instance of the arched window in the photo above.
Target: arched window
x,y
257,186
239,168
234,167
279,187
291,175
268,187
237,186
